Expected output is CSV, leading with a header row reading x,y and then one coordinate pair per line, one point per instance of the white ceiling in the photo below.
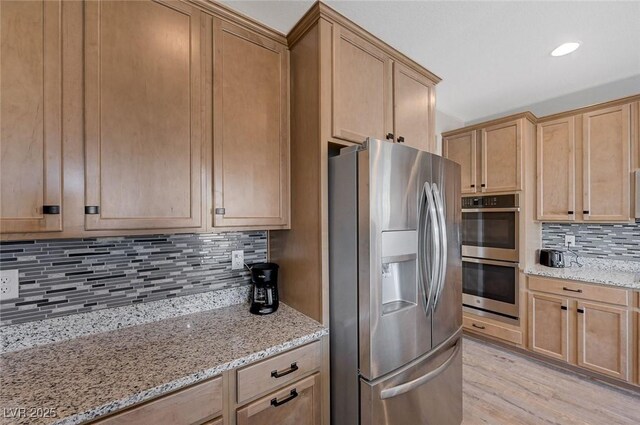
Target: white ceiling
x,y
493,56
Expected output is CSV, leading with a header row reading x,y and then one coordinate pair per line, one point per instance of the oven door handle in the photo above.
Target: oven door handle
x,y
490,210
491,262
442,271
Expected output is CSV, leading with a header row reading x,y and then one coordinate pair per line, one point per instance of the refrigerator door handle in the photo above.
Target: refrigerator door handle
x,y
411,385
442,272
429,217
422,225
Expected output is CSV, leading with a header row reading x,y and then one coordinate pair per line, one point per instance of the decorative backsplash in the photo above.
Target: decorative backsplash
x,y
62,277
612,241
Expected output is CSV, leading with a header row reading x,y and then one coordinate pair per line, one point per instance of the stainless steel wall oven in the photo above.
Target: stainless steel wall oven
x,y
490,262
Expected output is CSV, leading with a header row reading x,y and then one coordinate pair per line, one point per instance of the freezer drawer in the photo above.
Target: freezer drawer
x,y
425,392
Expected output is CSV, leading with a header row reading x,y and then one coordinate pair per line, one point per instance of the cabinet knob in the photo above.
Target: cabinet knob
x,y
585,212
92,209
220,211
400,139
483,185
473,185
389,136
570,212
580,311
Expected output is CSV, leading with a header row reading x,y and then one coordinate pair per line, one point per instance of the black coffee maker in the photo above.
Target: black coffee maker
x,y
264,291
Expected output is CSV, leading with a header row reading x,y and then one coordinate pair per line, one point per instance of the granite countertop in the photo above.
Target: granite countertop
x,y
89,376
624,274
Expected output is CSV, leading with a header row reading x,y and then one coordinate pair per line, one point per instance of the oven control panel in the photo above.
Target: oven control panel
x,y
491,201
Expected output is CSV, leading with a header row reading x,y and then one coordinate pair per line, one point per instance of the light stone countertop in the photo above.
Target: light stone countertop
x,y
624,274
90,376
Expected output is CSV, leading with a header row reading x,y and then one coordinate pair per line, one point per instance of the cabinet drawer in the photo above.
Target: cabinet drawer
x,y
191,405
494,330
298,403
571,288
276,371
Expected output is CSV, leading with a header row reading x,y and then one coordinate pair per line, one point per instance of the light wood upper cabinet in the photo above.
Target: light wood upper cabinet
x,y
606,164
413,108
548,326
361,88
251,129
143,115
502,157
30,116
556,158
297,404
461,148
603,339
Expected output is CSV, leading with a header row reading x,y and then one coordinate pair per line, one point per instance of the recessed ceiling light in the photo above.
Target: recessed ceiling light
x,y
565,49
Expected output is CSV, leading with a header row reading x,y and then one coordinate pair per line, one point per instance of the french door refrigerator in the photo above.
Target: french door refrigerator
x,y
395,287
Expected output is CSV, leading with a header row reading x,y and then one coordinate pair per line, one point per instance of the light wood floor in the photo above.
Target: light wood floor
x,y
501,387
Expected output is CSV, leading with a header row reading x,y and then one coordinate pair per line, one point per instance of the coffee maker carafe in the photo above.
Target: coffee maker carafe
x,y
264,290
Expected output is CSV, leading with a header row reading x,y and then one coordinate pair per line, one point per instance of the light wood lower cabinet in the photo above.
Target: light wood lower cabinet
x,y
30,116
581,329
192,405
285,389
549,326
492,328
602,339
272,373
296,404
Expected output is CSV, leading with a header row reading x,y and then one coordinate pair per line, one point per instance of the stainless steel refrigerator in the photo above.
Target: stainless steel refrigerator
x,y
395,287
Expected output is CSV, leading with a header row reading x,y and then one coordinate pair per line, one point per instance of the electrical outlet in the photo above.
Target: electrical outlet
x,y
9,284
569,240
237,260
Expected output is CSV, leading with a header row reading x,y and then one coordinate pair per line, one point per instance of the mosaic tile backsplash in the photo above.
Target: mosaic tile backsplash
x,y
62,277
612,241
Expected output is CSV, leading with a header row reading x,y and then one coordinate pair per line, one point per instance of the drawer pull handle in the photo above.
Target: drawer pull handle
x,y
293,394
564,288
477,326
276,374
580,311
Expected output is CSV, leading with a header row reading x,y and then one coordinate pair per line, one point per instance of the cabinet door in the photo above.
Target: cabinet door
x,y
297,404
461,148
602,339
142,115
30,106
361,88
556,170
251,129
502,157
548,326
606,156
413,102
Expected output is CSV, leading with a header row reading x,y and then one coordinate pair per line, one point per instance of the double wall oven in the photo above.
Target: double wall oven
x,y
490,255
